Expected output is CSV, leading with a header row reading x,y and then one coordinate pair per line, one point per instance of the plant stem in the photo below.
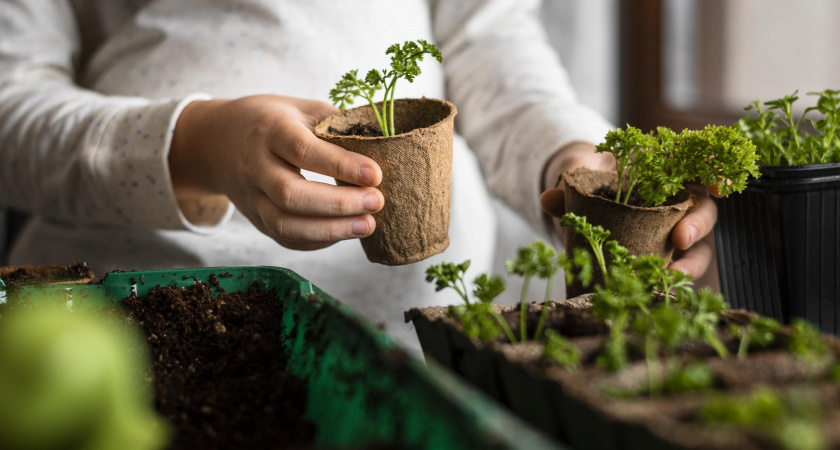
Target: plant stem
x,y
503,323
546,306
523,307
393,89
651,358
382,125
745,344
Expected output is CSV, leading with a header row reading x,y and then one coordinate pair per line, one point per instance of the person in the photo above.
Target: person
x,y
163,134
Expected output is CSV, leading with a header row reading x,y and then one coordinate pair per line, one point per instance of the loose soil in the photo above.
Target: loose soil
x,y
358,129
218,369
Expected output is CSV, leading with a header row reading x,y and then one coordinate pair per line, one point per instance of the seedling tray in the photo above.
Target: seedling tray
x,y
363,388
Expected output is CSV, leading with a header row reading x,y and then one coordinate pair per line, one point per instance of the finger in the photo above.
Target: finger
x,y
314,110
296,144
282,226
296,195
699,221
694,261
553,201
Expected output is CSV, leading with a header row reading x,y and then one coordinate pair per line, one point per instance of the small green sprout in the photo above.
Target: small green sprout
x,y
596,235
806,341
694,377
404,64
759,333
791,423
560,350
479,319
780,137
447,275
534,259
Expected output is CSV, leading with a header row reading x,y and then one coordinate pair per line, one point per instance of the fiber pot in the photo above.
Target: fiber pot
x,y
643,230
778,244
416,176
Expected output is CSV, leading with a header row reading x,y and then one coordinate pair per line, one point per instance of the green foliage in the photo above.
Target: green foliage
x,y
535,259
488,288
760,333
560,350
73,379
447,275
791,423
628,147
693,377
659,166
805,340
404,64
780,138
596,235
704,308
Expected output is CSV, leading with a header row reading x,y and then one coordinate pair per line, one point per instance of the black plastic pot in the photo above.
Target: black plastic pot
x,y
778,244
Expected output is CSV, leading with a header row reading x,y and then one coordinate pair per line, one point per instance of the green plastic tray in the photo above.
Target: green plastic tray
x,y
363,388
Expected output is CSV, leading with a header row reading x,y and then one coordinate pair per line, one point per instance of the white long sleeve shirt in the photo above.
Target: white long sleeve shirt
x,y
90,91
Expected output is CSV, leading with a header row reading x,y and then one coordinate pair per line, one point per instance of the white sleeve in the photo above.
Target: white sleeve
x,y
71,154
516,104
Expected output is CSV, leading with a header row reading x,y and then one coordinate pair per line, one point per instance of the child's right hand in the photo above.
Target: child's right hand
x,y
252,150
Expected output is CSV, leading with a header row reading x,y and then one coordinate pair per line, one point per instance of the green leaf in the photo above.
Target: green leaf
x,y
488,288
560,350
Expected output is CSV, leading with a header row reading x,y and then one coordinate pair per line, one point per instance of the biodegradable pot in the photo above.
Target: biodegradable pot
x,y
416,176
778,244
643,230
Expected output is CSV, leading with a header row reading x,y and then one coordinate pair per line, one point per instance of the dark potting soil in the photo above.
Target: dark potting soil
x,y
218,371
358,129
634,200
16,276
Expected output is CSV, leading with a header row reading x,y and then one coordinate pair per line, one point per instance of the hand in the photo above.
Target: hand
x,y
578,154
695,254
252,150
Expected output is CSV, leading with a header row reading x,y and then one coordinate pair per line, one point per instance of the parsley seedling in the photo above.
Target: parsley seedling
x,y
404,64
659,166
760,332
780,137
479,319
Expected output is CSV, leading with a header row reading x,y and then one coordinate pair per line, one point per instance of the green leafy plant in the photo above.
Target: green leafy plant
x,y
760,332
806,341
780,137
791,422
479,319
560,350
534,259
658,166
404,64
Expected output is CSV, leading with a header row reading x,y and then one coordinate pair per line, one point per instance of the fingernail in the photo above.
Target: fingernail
x,y
370,202
359,228
366,175
692,233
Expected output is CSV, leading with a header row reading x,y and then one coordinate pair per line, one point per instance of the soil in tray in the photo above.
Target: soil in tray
x,y
218,370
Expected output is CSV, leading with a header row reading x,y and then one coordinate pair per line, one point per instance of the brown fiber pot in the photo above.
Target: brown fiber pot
x,y
416,176
643,230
